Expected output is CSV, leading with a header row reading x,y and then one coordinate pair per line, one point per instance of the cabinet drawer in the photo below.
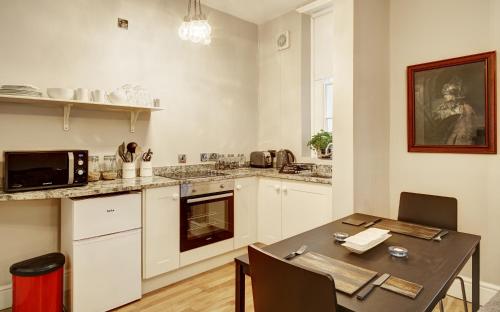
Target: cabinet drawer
x,y
105,215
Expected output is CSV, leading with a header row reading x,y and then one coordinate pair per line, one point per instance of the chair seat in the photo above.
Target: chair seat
x,y
493,305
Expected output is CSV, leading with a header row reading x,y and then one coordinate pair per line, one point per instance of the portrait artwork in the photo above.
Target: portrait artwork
x,y
452,105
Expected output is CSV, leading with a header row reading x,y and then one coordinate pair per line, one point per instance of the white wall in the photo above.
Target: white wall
x,y
423,31
343,108
281,84
210,92
371,107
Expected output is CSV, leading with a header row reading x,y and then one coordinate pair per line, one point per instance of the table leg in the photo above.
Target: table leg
x,y
475,279
240,288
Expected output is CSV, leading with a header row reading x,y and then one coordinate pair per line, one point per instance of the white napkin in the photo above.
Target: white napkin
x,y
366,237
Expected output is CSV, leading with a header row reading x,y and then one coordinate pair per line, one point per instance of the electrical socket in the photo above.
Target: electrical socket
x,y
182,158
213,157
204,157
123,23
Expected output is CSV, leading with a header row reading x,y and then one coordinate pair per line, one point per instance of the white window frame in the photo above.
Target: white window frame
x,y
318,86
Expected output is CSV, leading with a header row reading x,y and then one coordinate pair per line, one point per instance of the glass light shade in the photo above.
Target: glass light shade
x,y
184,30
208,28
197,31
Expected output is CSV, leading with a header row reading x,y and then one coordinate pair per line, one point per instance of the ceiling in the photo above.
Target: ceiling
x,y
255,11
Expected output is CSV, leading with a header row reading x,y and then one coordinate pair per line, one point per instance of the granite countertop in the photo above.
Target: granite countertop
x,y
124,185
255,172
93,188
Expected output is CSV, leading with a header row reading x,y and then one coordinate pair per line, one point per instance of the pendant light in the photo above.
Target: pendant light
x,y
195,26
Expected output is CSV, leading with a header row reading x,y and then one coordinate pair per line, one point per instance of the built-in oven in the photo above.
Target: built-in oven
x,y
207,213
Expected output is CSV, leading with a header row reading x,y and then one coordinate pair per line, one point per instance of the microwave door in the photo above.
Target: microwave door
x,y
38,170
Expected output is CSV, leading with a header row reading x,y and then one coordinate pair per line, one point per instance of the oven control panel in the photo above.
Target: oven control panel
x,y
202,188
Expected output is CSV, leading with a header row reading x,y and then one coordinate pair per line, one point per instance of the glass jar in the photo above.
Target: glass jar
x,y
94,170
109,168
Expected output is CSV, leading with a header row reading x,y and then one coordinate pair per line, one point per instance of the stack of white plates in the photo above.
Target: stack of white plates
x,y
366,240
20,90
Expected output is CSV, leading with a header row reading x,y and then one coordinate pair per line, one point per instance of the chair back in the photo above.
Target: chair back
x,y
431,210
279,285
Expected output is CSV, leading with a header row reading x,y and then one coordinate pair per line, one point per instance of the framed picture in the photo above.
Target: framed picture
x,y
452,105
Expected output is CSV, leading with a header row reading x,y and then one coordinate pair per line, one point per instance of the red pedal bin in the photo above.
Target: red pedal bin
x,y
38,284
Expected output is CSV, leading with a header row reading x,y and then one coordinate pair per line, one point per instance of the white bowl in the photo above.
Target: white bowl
x,y
61,93
117,97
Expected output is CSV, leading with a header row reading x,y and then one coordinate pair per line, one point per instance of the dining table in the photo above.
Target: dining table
x,y
429,263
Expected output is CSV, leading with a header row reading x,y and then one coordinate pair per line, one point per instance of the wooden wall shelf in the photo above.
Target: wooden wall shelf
x,y
68,105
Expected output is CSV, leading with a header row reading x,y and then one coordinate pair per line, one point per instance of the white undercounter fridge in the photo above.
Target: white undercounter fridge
x,y
101,239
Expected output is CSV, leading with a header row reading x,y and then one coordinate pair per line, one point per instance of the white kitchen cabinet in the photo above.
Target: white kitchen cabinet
x,y
161,231
305,206
269,211
287,208
245,212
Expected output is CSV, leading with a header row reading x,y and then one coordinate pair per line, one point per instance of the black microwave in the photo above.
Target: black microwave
x,y
38,170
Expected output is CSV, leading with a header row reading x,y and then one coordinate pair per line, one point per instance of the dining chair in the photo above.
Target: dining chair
x,y
431,210
279,285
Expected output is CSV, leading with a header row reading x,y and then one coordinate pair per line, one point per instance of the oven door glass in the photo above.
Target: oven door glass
x,y
206,219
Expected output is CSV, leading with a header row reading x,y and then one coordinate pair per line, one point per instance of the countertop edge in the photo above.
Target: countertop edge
x,y
140,183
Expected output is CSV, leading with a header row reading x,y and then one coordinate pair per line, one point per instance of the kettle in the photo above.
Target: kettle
x,y
284,157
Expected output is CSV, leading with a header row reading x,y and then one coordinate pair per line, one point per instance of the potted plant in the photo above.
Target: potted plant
x,y
320,143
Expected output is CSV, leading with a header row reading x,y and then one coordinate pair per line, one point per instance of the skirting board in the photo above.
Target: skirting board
x,y
487,290
5,296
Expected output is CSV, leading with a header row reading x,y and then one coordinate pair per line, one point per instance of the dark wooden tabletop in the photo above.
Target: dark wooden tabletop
x,y
430,263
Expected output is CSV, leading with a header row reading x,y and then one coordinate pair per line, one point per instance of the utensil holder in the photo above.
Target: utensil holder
x,y
128,170
146,169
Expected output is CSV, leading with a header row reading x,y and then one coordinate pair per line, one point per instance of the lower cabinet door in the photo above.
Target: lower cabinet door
x,y
269,211
245,212
305,206
106,272
161,230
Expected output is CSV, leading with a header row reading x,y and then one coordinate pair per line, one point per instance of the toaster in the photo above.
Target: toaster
x,y
261,160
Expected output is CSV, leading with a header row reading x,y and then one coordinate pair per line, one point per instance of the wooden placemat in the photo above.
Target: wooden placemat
x,y
415,230
402,287
348,278
354,221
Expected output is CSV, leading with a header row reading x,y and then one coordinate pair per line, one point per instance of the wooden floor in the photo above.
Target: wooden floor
x,y
213,291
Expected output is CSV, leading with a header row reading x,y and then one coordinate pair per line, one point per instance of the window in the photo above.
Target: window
x,y
328,102
322,71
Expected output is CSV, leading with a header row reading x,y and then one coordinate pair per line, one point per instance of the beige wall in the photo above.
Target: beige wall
x,y
371,107
343,108
27,229
423,31
281,84
210,92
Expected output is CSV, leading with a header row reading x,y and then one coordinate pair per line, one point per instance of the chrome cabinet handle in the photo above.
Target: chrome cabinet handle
x,y
175,196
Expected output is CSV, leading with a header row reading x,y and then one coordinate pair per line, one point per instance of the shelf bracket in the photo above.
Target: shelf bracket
x,y
134,115
67,112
